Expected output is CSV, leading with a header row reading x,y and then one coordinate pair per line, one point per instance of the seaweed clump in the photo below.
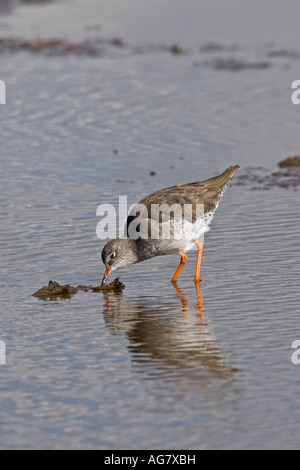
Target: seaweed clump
x,y
290,161
54,290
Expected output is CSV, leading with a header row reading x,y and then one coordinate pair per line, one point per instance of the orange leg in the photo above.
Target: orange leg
x,y
200,306
199,257
179,269
182,296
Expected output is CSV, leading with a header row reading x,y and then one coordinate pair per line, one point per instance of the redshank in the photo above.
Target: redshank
x,y
202,200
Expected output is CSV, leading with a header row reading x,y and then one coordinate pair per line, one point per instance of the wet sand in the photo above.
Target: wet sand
x,y
288,177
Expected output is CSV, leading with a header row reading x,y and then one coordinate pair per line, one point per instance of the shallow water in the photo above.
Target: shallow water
x,y
153,367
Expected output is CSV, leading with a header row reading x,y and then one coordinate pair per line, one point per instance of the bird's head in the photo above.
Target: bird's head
x,y
117,254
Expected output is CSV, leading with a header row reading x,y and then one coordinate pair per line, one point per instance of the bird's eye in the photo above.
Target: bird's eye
x,y
113,255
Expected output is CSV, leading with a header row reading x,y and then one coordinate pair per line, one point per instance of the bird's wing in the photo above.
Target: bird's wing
x,y
202,197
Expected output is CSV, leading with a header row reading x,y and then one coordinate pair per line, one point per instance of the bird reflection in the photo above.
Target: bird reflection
x,y
185,303
160,337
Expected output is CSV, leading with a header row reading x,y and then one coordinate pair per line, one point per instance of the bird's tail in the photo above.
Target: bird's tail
x,y
215,188
222,181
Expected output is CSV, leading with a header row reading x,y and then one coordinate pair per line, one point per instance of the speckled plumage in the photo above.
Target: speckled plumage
x,y
206,195
208,192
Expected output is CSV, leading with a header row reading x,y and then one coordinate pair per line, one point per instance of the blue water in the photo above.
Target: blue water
x,y
153,367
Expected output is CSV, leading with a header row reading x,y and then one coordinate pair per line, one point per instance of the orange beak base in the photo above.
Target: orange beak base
x,y
106,275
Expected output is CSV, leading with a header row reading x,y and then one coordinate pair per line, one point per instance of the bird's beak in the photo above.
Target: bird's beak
x,y
106,275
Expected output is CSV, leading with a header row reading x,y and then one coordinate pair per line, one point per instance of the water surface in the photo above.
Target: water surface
x,y
154,367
